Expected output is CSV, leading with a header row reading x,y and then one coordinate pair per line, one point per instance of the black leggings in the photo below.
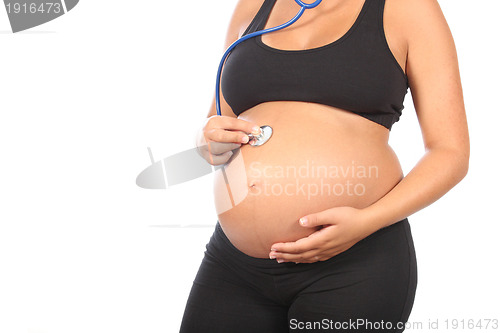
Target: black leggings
x,y
368,288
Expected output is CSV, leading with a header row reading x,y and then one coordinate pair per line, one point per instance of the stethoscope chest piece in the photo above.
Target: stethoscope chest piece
x,y
265,134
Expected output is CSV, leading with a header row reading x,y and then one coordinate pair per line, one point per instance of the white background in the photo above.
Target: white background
x,y
83,249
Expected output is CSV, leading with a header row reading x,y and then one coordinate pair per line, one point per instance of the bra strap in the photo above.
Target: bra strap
x,y
260,19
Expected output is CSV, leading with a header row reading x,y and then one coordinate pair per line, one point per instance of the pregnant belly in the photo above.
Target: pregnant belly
x,y
319,157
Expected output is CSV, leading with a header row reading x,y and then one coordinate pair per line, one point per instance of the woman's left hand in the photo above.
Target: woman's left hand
x,y
341,228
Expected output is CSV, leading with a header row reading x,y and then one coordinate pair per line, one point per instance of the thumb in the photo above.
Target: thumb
x,y
312,220
318,219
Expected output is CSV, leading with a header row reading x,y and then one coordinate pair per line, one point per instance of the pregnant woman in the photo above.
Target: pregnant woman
x,y
312,232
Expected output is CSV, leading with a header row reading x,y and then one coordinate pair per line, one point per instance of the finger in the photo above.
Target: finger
x,y
222,135
313,241
232,124
318,219
308,259
217,148
214,159
305,257
302,245
220,159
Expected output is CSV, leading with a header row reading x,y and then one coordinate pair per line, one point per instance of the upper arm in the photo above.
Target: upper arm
x,y
243,14
434,78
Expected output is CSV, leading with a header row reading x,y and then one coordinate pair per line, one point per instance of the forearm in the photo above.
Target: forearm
x,y
438,171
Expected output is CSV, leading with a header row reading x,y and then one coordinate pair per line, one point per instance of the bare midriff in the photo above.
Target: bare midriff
x,y
318,157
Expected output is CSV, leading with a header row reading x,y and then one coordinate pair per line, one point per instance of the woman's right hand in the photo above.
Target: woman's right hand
x,y
221,135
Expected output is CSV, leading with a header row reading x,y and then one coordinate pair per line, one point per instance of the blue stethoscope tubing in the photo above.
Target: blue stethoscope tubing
x,y
303,7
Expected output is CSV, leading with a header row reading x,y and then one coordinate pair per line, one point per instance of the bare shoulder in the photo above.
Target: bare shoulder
x,y
420,30
245,10
416,19
243,14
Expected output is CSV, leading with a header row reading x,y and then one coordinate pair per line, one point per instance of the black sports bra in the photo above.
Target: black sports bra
x,y
357,72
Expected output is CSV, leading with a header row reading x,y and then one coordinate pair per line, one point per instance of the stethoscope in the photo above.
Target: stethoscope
x,y
265,131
